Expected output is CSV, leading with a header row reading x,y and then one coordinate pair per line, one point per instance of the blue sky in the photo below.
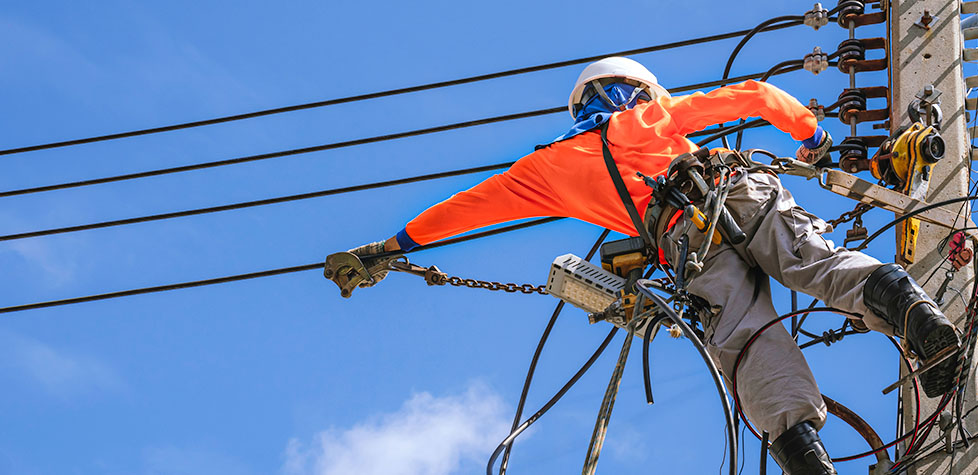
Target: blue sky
x,y
281,375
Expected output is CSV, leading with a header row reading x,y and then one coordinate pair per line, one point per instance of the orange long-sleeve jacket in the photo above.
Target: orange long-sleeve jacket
x,y
569,178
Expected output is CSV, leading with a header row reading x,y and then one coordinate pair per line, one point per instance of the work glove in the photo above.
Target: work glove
x,y
377,267
815,150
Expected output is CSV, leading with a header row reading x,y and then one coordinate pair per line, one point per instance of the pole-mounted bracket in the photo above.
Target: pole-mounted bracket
x,y
850,186
926,108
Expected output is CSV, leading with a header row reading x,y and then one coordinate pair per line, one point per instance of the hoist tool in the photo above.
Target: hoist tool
x,y
906,162
347,271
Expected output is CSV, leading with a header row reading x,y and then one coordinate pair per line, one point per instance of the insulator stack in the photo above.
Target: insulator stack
x,y
853,102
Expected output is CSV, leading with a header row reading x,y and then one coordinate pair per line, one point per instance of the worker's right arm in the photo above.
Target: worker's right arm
x,y
740,101
520,192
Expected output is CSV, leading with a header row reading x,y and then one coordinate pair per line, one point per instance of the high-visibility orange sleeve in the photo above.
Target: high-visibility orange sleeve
x,y
520,192
569,178
740,101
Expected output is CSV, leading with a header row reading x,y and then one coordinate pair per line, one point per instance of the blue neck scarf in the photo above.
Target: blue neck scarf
x,y
596,111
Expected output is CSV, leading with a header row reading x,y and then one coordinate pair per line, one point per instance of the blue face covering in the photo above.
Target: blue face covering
x,y
596,111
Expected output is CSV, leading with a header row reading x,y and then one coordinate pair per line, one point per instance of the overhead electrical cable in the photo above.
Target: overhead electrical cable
x,y
719,132
250,204
789,20
508,441
330,146
536,358
282,153
304,196
265,273
392,92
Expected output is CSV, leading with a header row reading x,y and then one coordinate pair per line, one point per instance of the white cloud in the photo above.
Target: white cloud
x,y
427,436
58,372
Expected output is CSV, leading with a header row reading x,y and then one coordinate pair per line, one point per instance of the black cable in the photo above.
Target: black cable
x,y
794,320
392,92
282,153
727,130
723,131
717,131
780,318
731,129
330,146
822,339
757,333
546,407
249,204
255,275
911,214
786,66
791,20
643,286
264,202
536,358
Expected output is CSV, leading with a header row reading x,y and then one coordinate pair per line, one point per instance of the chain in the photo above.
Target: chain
x,y
856,213
434,276
509,287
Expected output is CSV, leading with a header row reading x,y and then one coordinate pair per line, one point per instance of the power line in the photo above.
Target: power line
x,y
250,204
330,146
283,153
792,20
256,275
717,133
314,194
392,92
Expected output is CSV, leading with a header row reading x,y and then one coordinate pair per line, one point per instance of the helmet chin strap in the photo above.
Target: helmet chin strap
x,y
604,95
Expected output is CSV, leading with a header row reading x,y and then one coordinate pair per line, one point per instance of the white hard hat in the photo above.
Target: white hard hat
x,y
615,67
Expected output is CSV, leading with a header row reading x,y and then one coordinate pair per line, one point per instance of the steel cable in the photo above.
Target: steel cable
x,y
282,199
392,92
328,146
255,275
250,204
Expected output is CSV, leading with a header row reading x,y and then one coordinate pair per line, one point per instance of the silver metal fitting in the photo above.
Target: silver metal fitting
x,y
817,17
817,109
816,61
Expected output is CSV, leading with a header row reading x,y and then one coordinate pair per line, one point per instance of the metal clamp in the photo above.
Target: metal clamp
x,y
791,166
432,275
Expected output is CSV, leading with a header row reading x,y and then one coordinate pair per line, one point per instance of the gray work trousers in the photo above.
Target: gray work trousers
x,y
776,387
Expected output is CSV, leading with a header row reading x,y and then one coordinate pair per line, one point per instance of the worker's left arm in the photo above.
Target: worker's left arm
x,y
750,99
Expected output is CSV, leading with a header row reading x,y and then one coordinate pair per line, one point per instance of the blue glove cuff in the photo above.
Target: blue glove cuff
x,y
814,140
405,241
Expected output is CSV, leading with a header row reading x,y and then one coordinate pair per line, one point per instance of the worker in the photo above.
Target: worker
x,y
646,128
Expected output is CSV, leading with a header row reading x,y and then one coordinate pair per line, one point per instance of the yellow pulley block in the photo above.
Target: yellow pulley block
x,y
906,161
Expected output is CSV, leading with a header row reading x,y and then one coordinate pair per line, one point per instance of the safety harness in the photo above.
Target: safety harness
x,y
626,198
672,194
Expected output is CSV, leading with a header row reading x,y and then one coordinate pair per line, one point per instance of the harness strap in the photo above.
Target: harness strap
x,y
626,198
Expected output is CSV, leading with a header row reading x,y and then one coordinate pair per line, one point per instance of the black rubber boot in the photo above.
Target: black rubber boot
x,y
799,451
893,295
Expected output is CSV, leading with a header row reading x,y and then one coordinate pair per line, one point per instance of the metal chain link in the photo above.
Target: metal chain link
x,y
856,212
489,285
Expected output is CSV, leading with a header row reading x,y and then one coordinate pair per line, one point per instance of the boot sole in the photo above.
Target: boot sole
x,y
939,379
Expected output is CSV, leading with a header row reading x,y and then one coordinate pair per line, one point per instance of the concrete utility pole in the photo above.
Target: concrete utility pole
x,y
925,45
